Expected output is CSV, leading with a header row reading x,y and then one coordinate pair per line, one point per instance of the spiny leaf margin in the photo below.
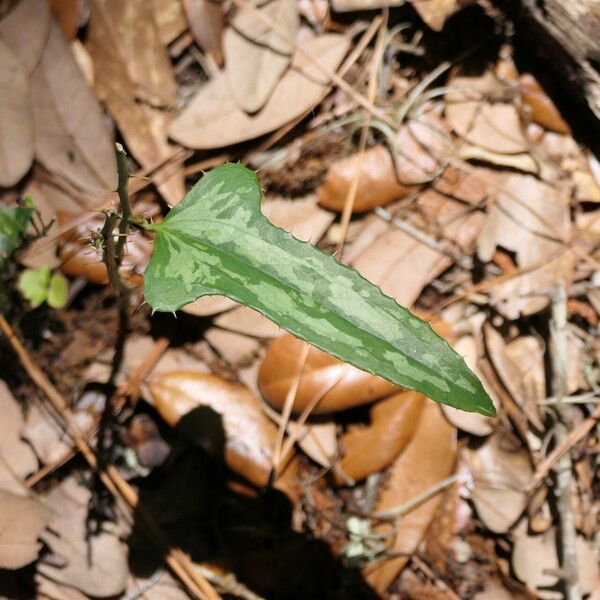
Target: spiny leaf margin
x,y
216,241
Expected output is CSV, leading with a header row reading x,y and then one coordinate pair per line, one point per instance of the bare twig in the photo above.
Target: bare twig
x,y
563,468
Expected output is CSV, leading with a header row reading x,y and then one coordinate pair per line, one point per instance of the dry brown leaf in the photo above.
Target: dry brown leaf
x,y
501,471
349,5
206,19
233,347
47,438
343,385
436,12
94,564
520,365
526,217
248,321
26,29
17,457
387,256
535,560
428,459
377,183
68,13
133,75
301,217
493,126
16,118
317,440
256,55
540,107
22,520
72,138
170,19
520,162
249,435
372,448
209,305
474,423
213,119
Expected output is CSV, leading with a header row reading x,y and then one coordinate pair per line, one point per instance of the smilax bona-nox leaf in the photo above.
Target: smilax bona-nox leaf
x,y
216,241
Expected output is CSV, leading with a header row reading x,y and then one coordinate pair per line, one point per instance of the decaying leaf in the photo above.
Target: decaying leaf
x,y
341,385
134,78
17,457
387,256
501,471
535,560
427,460
540,107
96,564
72,138
494,126
170,19
248,321
527,218
373,448
16,118
206,20
213,118
377,184
68,13
520,365
22,520
436,12
249,437
256,55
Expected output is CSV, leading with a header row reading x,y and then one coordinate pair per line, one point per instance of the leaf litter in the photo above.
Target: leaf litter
x,y
472,200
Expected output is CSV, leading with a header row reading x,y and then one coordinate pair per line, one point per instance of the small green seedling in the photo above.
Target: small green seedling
x,y
41,285
217,241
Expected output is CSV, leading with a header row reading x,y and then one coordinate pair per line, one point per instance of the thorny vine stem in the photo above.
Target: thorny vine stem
x,y
562,469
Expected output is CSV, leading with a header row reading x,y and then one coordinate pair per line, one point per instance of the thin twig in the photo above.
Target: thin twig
x,y
563,468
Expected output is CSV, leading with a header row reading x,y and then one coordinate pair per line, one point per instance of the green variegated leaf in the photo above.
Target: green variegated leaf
x,y
216,241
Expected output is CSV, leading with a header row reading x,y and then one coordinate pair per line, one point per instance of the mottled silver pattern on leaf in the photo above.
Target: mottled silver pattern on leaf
x,y
216,241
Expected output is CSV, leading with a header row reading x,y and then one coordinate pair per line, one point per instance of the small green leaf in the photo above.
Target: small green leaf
x,y
34,283
216,241
13,225
58,292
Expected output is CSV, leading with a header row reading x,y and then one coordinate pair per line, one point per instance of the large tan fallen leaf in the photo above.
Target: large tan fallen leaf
x,y
22,519
134,78
535,560
249,435
256,56
427,460
72,138
68,13
372,448
234,347
170,19
387,256
17,456
26,29
341,385
526,218
494,126
16,118
501,471
206,18
520,365
248,321
213,118
209,305
302,217
95,564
